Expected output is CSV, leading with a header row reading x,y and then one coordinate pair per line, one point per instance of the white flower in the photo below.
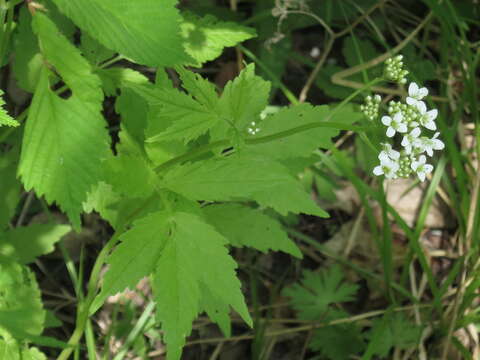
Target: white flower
x,y
395,124
410,140
388,153
428,145
427,117
387,167
421,168
415,93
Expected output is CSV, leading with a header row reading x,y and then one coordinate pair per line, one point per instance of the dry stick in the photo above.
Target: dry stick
x,y
464,282
340,77
332,37
305,327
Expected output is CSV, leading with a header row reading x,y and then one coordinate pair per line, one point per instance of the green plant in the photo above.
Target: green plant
x,y
189,172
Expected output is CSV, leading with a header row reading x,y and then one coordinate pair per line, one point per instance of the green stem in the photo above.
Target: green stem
x,y
84,306
261,140
5,38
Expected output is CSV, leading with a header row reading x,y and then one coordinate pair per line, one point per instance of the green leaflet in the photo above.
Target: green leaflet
x,y
393,330
312,297
205,37
5,119
135,257
28,60
26,243
64,140
185,268
10,349
189,119
178,249
244,226
9,187
242,176
147,31
21,309
241,102
301,144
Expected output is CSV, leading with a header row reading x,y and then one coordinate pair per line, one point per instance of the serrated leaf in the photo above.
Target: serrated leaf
x,y
9,187
205,37
242,101
317,291
93,51
29,242
393,330
135,257
130,175
303,143
244,226
33,354
6,119
147,31
338,342
28,60
9,349
186,267
117,77
242,176
201,89
21,309
64,140
189,119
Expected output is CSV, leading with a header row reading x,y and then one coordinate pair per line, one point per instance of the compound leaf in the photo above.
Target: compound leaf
x,y
184,269
135,257
303,143
242,176
6,119
26,243
64,140
316,292
147,31
244,226
21,309
205,37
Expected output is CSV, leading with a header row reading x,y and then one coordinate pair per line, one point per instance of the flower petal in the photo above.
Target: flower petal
x,y
378,170
390,131
386,120
412,89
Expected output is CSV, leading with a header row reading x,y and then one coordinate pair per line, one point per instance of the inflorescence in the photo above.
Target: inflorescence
x,y
408,119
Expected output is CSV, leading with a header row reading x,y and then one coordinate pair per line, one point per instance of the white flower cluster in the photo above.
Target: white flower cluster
x,y
253,128
371,106
394,70
408,119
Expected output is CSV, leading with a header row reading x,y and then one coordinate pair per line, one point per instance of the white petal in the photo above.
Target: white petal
x,y
383,157
429,151
378,170
411,101
428,168
402,128
395,155
398,117
390,131
422,92
386,120
421,176
405,141
432,114
430,125
422,159
395,166
412,89
415,132
435,135
420,105
438,144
